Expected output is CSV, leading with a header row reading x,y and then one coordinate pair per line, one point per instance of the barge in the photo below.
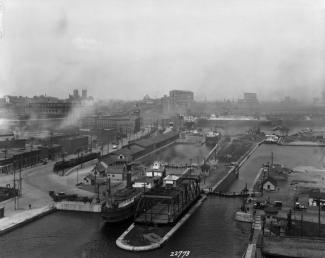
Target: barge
x,y
161,212
165,204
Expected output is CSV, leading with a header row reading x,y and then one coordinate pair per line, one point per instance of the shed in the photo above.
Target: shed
x,y
269,184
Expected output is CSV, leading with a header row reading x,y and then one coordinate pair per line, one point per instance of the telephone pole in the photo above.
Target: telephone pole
x,y
15,199
318,216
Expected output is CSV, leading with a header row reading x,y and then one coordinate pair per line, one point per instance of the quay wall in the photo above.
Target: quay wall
x,y
8,224
22,218
77,206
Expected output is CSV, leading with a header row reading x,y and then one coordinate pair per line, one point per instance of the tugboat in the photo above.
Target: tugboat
x,y
121,205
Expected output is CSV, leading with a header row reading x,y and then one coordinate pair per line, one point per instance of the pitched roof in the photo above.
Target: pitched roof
x,y
271,180
153,140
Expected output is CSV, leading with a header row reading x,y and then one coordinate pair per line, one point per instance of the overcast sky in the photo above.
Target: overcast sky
x,y
125,49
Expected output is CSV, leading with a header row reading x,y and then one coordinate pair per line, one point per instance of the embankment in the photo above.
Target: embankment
x,y
19,219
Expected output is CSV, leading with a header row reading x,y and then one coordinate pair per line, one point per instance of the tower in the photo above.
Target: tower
x,y
84,93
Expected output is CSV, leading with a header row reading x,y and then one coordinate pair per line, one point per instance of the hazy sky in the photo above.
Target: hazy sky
x,y
129,48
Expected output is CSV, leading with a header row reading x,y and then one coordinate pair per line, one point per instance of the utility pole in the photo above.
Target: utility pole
x,y
301,223
77,175
20,181
15,199
318,216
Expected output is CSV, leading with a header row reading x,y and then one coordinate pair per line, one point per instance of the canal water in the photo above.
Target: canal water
x,y
210,232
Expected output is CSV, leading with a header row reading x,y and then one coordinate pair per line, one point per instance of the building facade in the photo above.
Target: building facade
x,y
180,100
122,124
249,104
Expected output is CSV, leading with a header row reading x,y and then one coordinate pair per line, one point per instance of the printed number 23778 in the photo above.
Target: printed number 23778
x,y
180,254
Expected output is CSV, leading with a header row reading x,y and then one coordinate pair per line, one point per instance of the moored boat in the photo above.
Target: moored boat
x,y
212,138
122,204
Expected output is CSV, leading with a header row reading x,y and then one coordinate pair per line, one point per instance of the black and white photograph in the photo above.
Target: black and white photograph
x,y
173,128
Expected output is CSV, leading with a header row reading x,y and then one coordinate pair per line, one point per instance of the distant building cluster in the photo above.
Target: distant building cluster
x,y
127,123
43,106
178,102
249,102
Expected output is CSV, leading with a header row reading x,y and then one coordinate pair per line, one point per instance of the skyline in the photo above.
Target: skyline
x,y
120,50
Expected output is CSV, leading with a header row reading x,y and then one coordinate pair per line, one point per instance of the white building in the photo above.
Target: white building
x,y
269,184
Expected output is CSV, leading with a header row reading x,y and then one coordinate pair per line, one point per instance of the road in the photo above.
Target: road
x,y
36,184
38,180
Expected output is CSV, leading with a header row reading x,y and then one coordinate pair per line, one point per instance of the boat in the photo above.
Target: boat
x,y
243,215
121,205
166,204
212,138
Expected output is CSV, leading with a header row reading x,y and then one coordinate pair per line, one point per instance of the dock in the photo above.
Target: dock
x,y
78,206
19,219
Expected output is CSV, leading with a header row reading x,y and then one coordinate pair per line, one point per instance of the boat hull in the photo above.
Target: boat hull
x,y
244,217
211,140
115,215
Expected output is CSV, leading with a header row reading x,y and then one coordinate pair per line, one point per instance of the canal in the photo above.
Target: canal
x,y
210,232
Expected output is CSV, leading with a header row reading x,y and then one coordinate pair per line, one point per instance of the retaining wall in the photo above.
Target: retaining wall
x,y
78,206
17,220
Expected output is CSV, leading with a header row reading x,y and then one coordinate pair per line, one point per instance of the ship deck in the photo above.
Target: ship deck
x,y
165,205
158,214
